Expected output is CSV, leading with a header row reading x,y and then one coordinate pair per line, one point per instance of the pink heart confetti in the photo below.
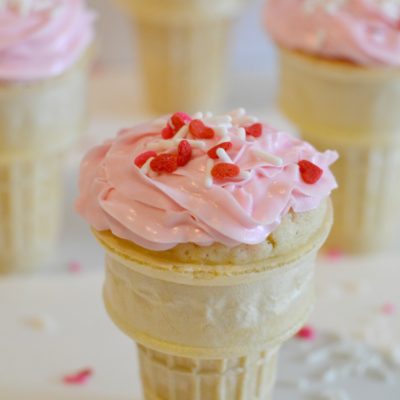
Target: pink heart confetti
x,y
75,267
307,333
389,309
78,378
334,255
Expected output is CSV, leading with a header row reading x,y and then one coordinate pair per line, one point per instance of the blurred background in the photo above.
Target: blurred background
x,y
251,51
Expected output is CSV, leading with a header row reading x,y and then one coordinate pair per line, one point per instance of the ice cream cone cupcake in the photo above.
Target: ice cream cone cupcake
x,y
211,227
340,84
45,50
182,50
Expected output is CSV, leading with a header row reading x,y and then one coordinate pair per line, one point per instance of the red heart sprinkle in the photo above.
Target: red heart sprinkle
x,y
179,119
141,159
165,163
225,171
78,378
184,153
310,172
168,132
200,131
254,130
307,333
212,153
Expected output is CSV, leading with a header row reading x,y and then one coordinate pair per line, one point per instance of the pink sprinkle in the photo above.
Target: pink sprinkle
x,y
389,309
307,333
78,378
334,254
75,267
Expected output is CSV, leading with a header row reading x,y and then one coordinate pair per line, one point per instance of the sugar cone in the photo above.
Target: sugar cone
x,y
183,50
354,110
39,122
30,210
209,332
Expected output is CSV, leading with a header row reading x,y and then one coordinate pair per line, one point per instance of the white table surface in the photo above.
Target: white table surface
x,y
72,330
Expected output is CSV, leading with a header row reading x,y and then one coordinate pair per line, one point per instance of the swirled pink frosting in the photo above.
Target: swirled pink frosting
x,y
365,32
159,211
45,41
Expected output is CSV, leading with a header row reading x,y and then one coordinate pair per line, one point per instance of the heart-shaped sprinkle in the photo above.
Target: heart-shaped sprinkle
x,y
254,130
212,153
184,153
223,171
141,159
310,172
179,119
200,131
307,333
168,132
78,378
164,163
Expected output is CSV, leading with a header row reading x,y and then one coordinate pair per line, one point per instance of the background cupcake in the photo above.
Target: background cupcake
x,y
211,227
340,83
45,50
183,49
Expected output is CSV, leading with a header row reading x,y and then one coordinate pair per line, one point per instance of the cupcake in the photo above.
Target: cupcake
x,y
340,83
45,50
211,225
182,49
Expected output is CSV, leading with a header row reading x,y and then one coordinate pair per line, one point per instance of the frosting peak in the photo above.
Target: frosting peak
x,y
42,38
201,179
365,32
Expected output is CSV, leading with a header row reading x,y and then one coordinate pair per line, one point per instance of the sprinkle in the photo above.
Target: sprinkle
x,y
141,159
208,177
180,119
244,175
160,123
268,157
242,133
78,378
239,112
389,309
310,172
223,156
184,153
194,143
75,267
334,254
221,131
307,333
200,131
168,132
224,171
146,166
254,130
219,119
162,145
164,163
198,115
208,114
182,132
212,153
41,323
245,120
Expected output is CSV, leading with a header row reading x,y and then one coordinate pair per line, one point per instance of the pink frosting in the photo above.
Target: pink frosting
x,y
158,212
43,42
365,32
